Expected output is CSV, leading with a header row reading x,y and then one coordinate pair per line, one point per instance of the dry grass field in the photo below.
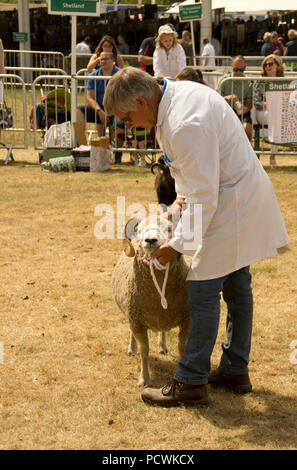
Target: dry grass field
x,y
66,381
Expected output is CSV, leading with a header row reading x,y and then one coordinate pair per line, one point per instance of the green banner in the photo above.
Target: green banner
x,y
76,7
190,12
19,37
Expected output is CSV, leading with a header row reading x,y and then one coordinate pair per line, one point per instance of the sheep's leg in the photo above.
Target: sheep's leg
x,y
162,342
132,345
140,334
183,337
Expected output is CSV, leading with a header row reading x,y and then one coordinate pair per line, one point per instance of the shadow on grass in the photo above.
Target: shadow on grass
x,y
264,418
281,169
19,163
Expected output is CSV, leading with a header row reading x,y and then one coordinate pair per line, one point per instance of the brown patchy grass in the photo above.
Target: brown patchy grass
x,y
66,381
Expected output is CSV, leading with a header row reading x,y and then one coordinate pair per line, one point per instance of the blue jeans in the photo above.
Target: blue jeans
x,y
204,305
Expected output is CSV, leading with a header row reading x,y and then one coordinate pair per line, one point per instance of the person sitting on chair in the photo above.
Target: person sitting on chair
x,y
272,66
94,111
238,94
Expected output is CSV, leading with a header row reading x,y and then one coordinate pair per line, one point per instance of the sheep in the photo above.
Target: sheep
x,y
136,295
164,183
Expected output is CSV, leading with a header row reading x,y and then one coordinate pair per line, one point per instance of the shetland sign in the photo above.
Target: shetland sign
x,y
77,7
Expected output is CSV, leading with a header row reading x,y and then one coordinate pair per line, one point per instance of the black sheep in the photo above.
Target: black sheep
x,y
164,183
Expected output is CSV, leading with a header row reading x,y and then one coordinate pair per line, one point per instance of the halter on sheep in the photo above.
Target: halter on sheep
x,y
154,263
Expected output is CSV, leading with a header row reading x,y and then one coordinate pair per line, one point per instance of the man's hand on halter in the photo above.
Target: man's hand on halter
x,y
164,254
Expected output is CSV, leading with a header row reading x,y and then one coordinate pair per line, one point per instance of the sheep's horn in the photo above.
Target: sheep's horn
x,y
130,227
157,165
128,248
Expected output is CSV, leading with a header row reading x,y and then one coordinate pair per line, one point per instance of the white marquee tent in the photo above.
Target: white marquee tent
x,y
255,5
244,5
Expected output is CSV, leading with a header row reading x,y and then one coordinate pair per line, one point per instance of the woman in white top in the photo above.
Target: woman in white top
x,y
169,57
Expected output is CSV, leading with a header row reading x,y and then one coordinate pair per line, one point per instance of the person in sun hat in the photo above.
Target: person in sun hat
x,y
169,57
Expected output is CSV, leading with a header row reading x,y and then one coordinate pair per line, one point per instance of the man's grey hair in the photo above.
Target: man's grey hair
x,y
125,87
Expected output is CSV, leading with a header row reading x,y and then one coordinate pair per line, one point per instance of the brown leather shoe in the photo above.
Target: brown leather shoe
x,y
175,393
235,383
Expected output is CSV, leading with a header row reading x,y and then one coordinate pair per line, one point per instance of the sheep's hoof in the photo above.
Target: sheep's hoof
x,y
143,383
163,351
132,352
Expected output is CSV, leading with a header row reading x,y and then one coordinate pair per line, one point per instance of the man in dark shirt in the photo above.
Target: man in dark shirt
x,y
145,54
292,44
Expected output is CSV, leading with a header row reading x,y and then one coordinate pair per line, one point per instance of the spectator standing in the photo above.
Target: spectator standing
x,y
277,45
85,46
216,170
292,44
107,44
272,66
169,57
267,47
186,44
122,45
145,54
208,55
239,94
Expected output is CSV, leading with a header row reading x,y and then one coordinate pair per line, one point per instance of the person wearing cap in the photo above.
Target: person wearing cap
x,y
169,57
230,219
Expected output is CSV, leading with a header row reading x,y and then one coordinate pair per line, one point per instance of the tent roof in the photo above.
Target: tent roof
x,y
244,5
254,5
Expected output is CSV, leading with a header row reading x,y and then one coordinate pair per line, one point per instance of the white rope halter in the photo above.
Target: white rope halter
x,y
155,263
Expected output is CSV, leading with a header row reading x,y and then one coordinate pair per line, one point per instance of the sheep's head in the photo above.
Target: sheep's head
x,y
147,234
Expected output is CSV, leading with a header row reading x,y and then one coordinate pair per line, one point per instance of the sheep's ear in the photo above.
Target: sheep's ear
x,y
128,248
131,227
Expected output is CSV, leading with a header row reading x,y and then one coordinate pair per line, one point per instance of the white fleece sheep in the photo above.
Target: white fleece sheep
x,y
137,297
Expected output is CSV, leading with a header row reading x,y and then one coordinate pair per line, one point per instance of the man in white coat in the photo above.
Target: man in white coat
x,y
215,167
208,55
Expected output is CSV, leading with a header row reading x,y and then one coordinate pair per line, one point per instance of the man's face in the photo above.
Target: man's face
x,y
140,117
238,67
106,61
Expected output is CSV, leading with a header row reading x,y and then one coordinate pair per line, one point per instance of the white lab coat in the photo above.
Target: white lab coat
x,y
214,165
171,65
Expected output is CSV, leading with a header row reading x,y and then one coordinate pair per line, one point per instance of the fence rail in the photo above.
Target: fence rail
x,y
58,84
13,134
265,125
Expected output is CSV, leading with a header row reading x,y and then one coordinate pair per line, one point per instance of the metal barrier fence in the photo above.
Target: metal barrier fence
x,y
51,104
39,59
259,118
136,142
13,115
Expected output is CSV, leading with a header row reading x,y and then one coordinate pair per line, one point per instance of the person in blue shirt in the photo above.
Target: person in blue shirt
x,y
95,89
